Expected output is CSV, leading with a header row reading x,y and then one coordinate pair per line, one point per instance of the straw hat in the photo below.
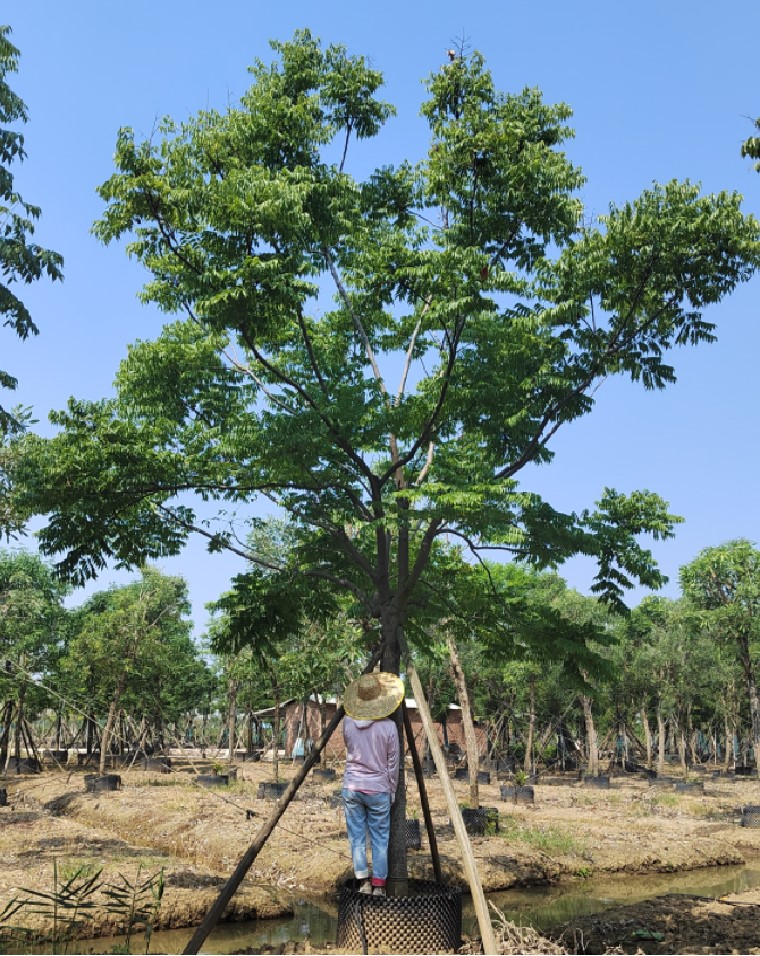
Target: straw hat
x,y
373,696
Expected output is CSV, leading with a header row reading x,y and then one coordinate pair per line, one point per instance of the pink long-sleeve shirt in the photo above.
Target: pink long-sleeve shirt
x,y
372,755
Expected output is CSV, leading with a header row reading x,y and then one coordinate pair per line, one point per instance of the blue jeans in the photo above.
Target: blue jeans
x,y
368,812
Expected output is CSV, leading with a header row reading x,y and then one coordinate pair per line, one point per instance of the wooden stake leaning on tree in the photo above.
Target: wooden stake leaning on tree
x,y
473,878
246,861
433,842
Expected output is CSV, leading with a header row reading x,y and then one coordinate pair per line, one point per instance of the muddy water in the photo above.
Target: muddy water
x,y
541,907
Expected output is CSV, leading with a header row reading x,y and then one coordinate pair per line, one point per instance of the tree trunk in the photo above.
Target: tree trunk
x,y
682,748
529,740
113,710
276,732
232,691
661,739
392,635
647,733
249,733
591,739
5,749
19,722
754,700
473,756
89,732
729,742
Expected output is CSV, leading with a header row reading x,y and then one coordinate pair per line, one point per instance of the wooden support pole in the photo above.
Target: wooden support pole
x,y
432,840
468,858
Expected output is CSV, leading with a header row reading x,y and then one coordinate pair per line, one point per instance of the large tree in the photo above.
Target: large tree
x,y
21,259
379,357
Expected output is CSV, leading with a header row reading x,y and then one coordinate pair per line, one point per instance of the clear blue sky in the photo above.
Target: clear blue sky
x,y
660,89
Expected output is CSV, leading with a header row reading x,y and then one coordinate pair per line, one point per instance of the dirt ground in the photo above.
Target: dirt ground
x,y
196,835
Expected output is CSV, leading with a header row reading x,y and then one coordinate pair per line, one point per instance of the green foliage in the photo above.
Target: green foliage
x,y
32,624
751,147
466,275
77,893
723,585
551,840
21,259
133,643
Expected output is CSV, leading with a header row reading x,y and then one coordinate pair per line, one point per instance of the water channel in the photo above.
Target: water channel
x,y
541,907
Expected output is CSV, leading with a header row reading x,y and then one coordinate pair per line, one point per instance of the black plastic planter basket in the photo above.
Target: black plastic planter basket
x,y
212,779
751,816
94,783
324,773
271,790
483,821
602,782
413,835
461,773
24,765
3,797
517,794
746,771
427,920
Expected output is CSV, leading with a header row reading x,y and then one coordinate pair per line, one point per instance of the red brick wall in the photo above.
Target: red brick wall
x,y
336,746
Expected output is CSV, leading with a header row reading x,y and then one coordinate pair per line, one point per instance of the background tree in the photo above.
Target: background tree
x,y
32,621
724,582
473,314
122,634
21,259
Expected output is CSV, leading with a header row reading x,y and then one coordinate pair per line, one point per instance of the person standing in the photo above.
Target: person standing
x,y
371,775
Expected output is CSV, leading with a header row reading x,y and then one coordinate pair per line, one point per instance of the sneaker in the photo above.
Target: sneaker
x,y
378,891
366,888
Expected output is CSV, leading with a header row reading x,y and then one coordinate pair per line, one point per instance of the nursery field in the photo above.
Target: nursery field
x,y
195,835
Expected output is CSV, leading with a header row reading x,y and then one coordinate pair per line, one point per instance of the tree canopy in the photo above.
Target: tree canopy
x,y
379,357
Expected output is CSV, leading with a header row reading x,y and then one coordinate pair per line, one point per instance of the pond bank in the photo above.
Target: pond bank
x,y
546,908
196,836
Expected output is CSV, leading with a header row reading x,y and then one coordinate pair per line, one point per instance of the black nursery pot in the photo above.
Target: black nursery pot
x,y
324,773
271,790
24,765
212,779
95,783
480,821
517,794
602,782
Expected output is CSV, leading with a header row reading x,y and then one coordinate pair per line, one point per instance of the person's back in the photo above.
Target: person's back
x,y
371,756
